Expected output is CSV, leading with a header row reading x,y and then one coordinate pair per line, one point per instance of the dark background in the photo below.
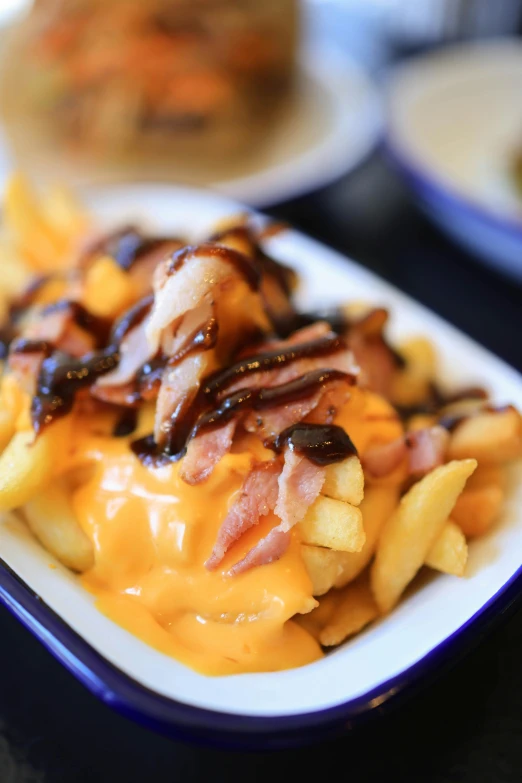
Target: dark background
x,y
466,726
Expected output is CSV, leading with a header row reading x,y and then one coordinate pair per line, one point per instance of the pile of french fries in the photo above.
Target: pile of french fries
x,y
363,540
392,528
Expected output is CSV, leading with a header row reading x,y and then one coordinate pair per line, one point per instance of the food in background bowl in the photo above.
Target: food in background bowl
x,y
240,484
116,78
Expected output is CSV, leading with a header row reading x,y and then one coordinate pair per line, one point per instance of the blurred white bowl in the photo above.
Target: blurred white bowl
x,y
454,124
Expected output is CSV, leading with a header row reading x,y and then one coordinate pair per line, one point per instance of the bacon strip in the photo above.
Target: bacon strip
x,y
26,368
424,448
135,351
204,452
271,548
427,448
179,386
258,497
299,485
184,290
58,328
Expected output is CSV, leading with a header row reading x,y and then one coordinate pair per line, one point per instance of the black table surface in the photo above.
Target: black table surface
x,y
465,726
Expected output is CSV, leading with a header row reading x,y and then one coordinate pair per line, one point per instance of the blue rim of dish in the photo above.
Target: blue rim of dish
x,y
430,189
183,721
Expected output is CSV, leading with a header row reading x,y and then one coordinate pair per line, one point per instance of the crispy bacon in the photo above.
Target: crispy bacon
x,y
179,386
142,271
258,497
134,353
204,452
26,368
376,362
271,548
188,287
175,338
427,448
58,328
299,485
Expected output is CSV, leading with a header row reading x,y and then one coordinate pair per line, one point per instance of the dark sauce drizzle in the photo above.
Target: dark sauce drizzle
x,y
126,424
270,360
98,327
268,397
126,246
341,324
285,275
62,377
197,420
321,444
244,265
437,399
202,339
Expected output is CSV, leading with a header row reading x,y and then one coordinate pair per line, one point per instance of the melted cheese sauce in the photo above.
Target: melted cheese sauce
x,y
152,533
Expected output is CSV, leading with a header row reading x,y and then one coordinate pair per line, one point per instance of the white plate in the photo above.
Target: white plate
x,y
362,673
454,122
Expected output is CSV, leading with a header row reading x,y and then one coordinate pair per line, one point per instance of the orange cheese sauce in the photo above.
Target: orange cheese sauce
x,y
152,533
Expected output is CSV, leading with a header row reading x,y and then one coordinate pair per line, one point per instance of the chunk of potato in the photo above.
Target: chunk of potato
x,y
413,529
108,289
324,566
377,507
449,553
487,475
345,481
490,437
478,508
28,464
51,519
355,608
333,524
410,385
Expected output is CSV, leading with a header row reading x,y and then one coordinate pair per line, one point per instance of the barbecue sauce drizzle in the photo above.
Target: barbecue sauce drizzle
x,y
245,266
195,418
61,377
322,444
126,246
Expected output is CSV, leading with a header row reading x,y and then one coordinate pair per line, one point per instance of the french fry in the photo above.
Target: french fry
x,y
40,244
15,274
449,553
316,620
63,213
108,289
413,528
328,568
324,566
490,437
377,507
7,428
51,519
355,608
333,524
345,481
411,384
28,464
478,508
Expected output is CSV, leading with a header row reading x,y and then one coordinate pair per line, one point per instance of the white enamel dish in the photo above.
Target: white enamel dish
x,y
432,625
454,124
